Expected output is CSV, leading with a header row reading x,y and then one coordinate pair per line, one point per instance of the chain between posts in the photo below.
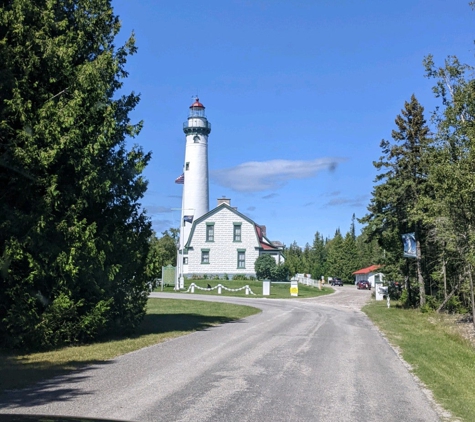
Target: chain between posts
x,y
193,286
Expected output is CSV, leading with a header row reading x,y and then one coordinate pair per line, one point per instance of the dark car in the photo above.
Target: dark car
x,y
336,281
363,284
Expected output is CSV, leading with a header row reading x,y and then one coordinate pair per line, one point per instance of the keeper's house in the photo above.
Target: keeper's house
x,y
226,242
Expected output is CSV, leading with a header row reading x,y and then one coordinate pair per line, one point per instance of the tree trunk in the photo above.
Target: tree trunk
x,y
471,294
408,283
447,298
444,274
420,279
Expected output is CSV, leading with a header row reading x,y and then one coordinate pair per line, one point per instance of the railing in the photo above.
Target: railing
x,y
205,125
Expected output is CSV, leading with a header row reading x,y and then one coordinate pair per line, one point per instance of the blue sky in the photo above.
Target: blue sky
x,y
299,95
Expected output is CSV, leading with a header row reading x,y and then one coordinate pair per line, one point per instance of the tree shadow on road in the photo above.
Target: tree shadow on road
x,y
47,369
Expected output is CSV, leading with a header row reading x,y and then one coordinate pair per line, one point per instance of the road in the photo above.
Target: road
x,y
318,359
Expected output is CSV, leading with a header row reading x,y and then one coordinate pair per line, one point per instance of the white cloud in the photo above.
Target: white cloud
x,y
256,176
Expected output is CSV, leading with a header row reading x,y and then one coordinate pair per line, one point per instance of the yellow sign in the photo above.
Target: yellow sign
x,y
294,291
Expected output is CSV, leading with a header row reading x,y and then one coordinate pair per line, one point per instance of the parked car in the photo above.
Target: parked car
x,y
363,284
336,281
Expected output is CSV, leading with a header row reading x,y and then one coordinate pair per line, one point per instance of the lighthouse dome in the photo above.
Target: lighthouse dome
x,y
197,104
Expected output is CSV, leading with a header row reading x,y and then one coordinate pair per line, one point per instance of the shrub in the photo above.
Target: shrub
x,y
280,273
263,266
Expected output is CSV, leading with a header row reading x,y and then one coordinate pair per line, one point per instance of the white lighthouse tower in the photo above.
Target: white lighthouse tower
x,y
195,201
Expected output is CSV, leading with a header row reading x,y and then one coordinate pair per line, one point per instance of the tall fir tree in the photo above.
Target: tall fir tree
x,y
398,197
73,238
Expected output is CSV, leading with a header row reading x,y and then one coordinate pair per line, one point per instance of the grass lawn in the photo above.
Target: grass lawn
x,y
441,358
165,319
277,290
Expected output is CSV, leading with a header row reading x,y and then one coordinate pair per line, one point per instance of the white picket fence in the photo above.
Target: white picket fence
x,y
306,279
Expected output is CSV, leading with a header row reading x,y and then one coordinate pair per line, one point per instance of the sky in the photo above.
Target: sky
x,y
299,95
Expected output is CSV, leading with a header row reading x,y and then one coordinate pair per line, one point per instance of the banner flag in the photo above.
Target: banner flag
x,y
180,179
410,248
188,219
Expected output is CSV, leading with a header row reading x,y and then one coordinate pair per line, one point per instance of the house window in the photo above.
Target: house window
x,y
237,232
185,260
205,256
187,166
210,232
241,261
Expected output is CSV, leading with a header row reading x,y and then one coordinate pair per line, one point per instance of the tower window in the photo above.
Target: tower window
x,y
187,166
196,139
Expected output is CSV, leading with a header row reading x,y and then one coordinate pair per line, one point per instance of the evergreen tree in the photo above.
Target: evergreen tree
x,y
73,238
336,256
319,257
351,262
293,259
397,203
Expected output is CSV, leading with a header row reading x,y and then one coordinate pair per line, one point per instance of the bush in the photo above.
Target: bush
x,y
411,301
239,277
264,266
455,306
280,273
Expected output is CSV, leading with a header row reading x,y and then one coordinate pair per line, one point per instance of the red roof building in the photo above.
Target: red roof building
x,y
368,270
370,274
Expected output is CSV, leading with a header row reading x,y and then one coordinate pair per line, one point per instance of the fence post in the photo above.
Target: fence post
x,y
219,289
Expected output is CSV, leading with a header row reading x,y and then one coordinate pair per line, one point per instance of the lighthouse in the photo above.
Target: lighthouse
x,y
195,200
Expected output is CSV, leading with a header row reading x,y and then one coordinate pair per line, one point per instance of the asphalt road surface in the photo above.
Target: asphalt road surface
x,y
315,359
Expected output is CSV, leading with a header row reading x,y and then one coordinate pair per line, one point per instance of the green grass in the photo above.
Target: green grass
x,y
277,290
165,319
441,358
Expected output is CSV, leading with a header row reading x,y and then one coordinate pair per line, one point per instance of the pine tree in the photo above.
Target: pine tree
x,y
73,238
318,257
335,256
398,198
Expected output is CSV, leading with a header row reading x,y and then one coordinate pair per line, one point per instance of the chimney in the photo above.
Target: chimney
x,y
264,228
224,200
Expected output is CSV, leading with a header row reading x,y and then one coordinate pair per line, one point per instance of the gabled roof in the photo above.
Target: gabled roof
x,y
264,243
368,270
